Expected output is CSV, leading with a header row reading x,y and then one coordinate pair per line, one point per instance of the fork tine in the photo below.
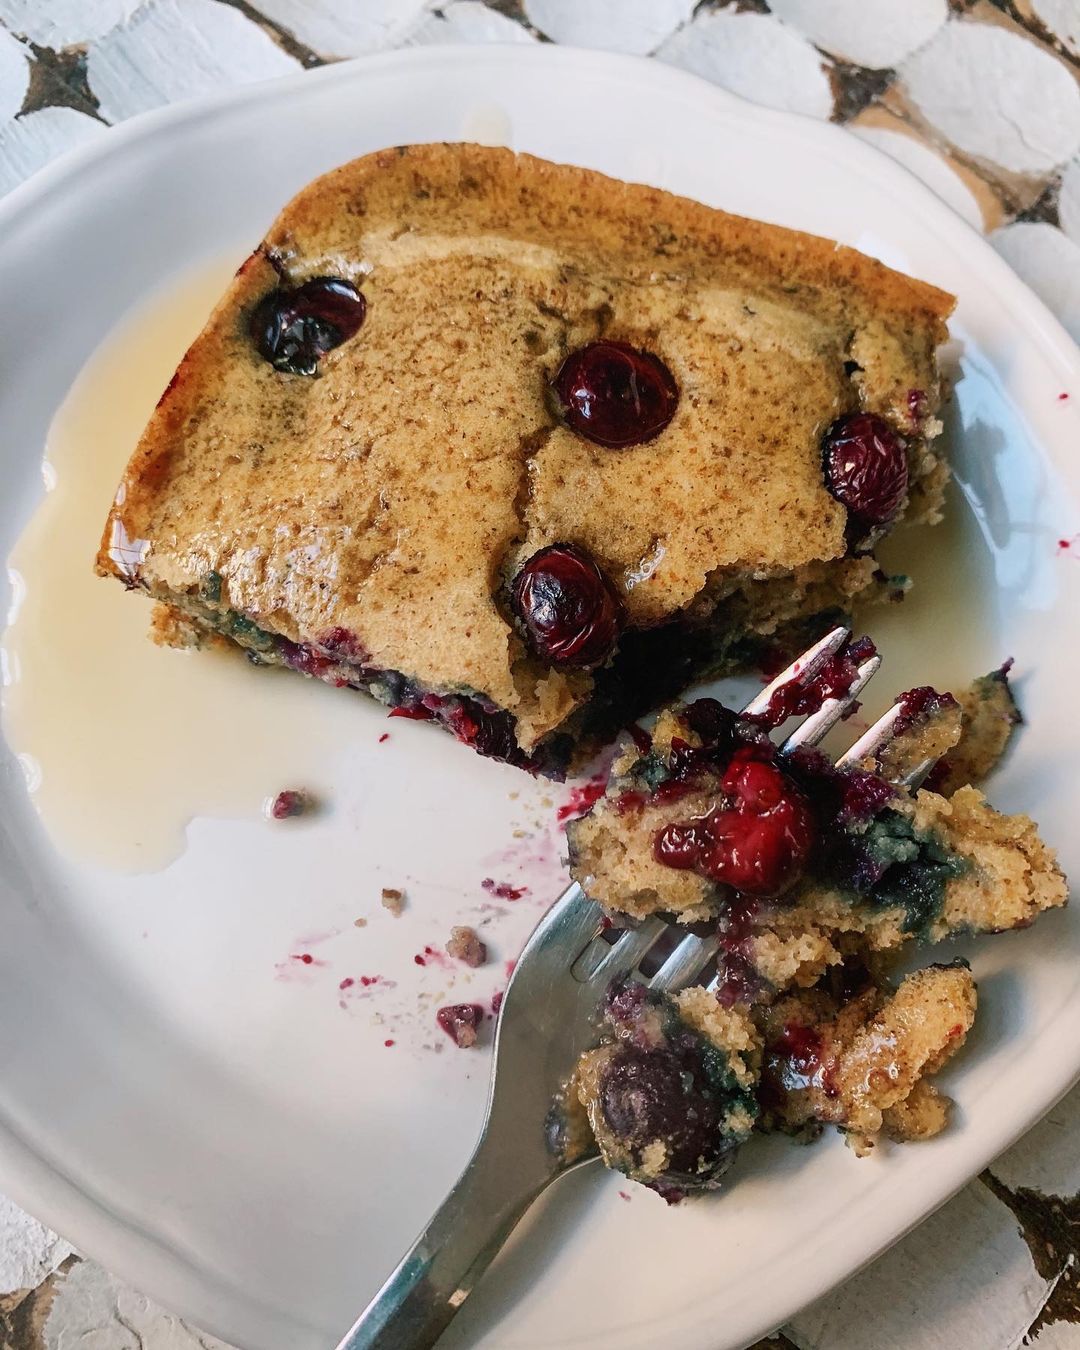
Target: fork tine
x,y
623,955
805,666
690,957
914,777
685,963
818,725
871,741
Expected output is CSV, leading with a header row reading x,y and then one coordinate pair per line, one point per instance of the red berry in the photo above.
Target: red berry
x,y
865,467
680,844
615,394
755,854
569,609
801,1045
757,843
343,645
756,786
762,843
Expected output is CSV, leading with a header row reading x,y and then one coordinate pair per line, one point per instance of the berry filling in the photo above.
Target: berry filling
x,y
894,864
866,469
797,697
796,1060
918,406
842,797
918,704
292,328
614,394
756,841
570,612
340,659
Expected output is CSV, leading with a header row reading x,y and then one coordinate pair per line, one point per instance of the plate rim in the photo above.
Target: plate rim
x,y
76,161
123,1243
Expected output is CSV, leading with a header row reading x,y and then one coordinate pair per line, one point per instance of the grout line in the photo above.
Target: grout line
x,y
284,39
58,80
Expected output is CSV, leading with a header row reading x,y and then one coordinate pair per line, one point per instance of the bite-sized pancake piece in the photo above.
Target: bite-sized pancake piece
x,y
928,725
864,1065
668,1094
677,1084
990,717
951,867
521,449
968,732
800,864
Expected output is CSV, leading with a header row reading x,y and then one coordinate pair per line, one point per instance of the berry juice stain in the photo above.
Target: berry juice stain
x,y
581,800
503,890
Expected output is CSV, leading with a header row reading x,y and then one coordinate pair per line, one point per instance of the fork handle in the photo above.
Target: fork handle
x,y
437,1274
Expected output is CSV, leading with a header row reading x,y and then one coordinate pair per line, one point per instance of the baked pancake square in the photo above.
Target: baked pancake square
x,y
523,449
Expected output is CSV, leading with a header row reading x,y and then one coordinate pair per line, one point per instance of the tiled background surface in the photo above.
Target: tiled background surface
x,y
980,99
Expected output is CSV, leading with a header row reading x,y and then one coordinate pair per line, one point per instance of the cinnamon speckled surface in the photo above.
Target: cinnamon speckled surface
x,y
991,121
392,497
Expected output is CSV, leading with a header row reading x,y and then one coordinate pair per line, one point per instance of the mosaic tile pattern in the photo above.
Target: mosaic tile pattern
x,y
978,98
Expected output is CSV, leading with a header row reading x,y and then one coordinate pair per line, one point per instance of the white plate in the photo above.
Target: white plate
x,y
240,1147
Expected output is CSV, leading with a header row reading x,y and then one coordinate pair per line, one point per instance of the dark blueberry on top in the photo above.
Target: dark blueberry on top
x,y
625,1002
615,394
651,1094
865,467
568,608
293,327
714,723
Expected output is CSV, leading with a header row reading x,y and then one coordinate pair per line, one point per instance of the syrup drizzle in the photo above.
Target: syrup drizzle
x,y
124,742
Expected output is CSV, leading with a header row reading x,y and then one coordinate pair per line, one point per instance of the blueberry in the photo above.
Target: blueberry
x,y
293,327
568,608
615,395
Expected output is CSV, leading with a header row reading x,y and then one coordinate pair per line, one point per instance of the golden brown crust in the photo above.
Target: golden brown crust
x,y
392,495
989,721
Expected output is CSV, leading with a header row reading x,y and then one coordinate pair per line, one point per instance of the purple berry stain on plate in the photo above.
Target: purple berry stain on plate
x,y
504,890
582,798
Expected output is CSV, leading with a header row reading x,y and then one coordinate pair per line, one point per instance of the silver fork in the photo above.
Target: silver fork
x,y
548,1017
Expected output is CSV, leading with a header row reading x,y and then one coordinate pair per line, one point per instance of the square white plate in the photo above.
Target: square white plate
x,y
241,1146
